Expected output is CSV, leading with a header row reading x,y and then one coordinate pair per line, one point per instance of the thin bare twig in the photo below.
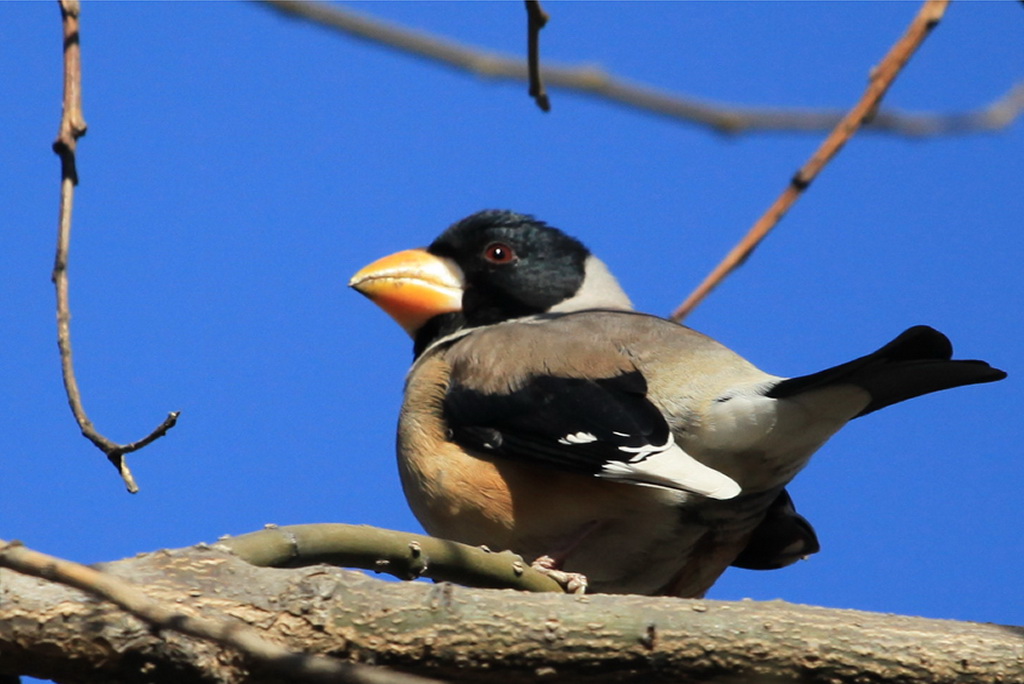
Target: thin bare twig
x,y
594,81
537,19
232,634
72,127
880,80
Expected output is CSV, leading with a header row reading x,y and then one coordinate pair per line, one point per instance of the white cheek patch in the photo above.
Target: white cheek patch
x,y
600,290
670,467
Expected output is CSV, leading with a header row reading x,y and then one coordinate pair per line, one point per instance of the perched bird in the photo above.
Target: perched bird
x,y
544,415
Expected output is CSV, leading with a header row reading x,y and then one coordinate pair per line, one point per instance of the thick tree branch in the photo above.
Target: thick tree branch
x,y
401,554
882,77
479,635
598,83
228,632
72,127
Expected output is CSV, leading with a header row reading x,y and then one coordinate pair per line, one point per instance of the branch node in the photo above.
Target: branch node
x,y
649,639
419,563
799,182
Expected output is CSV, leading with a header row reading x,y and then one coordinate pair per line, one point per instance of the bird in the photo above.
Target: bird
x,y
620,451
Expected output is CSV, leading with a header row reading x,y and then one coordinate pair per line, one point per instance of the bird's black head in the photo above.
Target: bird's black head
x,y
513,265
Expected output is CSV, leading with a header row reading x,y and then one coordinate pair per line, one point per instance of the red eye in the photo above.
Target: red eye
x,y
499,253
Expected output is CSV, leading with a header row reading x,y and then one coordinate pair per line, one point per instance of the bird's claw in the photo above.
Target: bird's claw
x,y
571,582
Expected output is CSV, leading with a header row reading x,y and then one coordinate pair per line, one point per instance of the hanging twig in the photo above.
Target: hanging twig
x,y
233,634
72,127
594,81
881,78
537,19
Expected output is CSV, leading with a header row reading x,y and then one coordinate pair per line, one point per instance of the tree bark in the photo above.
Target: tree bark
x,y
458,634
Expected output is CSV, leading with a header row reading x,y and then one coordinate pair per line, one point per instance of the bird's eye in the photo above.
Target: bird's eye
x,y
499,253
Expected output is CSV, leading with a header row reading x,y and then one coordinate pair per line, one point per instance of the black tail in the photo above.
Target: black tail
x,y
915,363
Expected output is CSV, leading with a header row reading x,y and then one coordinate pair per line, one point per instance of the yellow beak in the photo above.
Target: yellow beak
x,y
412,286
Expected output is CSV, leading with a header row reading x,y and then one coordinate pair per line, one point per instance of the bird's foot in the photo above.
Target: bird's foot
x,y
572,582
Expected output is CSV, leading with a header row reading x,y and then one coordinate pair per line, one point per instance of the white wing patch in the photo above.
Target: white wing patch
x,y
670,467
577,438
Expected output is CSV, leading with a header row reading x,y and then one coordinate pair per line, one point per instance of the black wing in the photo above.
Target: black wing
x,y
573,424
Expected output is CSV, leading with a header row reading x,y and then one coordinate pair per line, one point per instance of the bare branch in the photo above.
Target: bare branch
x,y
590,80
482,635
404,555
537,19
231,633
881,78
72,127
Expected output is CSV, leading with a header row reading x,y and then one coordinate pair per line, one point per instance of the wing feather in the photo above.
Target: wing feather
x,y
605,427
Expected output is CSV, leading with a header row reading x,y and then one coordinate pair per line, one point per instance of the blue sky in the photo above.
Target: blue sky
x,y
239,167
